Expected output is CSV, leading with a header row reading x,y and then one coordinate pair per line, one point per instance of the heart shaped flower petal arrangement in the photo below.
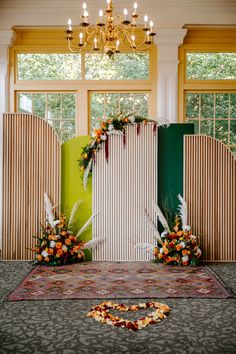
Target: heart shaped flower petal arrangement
x,y
101,313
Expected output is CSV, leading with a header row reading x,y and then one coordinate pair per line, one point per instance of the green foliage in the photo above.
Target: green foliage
x,y
120,67
211,66
49,66
115,104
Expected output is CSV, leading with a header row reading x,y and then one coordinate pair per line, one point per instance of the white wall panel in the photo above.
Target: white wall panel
x,y
123,188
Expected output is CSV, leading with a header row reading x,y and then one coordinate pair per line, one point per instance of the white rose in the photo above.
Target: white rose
x,y
161,250
44,254
64,248
182,244
186,228
111,127
52,244
185,258
103,137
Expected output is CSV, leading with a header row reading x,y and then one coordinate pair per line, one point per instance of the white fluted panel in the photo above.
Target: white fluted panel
x,y
123,188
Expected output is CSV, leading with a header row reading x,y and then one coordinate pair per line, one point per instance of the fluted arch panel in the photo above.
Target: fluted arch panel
x,y
210,190
31,166
123,187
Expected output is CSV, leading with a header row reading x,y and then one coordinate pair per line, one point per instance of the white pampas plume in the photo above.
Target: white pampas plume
x,y
73,213
161,217
147,247
93,243
154,228
86,225
86,173
183,210
49,211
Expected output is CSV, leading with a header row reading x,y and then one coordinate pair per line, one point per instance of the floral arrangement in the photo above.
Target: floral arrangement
x,y
101,313
176,245
59,243
101,133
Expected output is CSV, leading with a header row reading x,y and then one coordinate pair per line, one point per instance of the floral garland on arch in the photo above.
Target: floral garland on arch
x,y
101,314
101,133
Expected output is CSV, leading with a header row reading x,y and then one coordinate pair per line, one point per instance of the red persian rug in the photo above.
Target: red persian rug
x,y
111,280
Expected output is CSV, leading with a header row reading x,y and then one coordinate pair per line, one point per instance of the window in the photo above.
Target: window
x,y
121,67
211,66
213,114
110,104
71,91
36,66
58,109
207,83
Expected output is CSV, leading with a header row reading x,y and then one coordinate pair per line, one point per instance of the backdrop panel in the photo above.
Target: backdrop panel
x,y
171,164
72,185
31,166
210,190
123,187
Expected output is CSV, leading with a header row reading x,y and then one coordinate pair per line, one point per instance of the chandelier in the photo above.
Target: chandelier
x,y
112,33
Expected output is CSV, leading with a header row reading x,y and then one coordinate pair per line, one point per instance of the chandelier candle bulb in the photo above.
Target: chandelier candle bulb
x,y
69,22
125,14
81,39
135,10
84,6
151,26
148,38
109,5
117,45
145,20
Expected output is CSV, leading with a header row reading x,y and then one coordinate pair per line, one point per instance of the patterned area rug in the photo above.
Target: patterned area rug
x,y
110,280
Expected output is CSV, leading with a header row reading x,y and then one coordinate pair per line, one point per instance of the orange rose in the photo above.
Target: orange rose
x,y
184,252
46,259
179,233
160,255
185,263
38,250
58,245
63,233
50,251
39,257
50,237
71,237
67,241
165,250
59,252
177,247
80,255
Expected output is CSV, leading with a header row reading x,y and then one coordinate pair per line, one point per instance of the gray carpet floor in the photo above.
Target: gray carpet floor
x,y
36,327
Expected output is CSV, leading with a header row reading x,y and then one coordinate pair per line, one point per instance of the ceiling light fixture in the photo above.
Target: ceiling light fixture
x,y
111,33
